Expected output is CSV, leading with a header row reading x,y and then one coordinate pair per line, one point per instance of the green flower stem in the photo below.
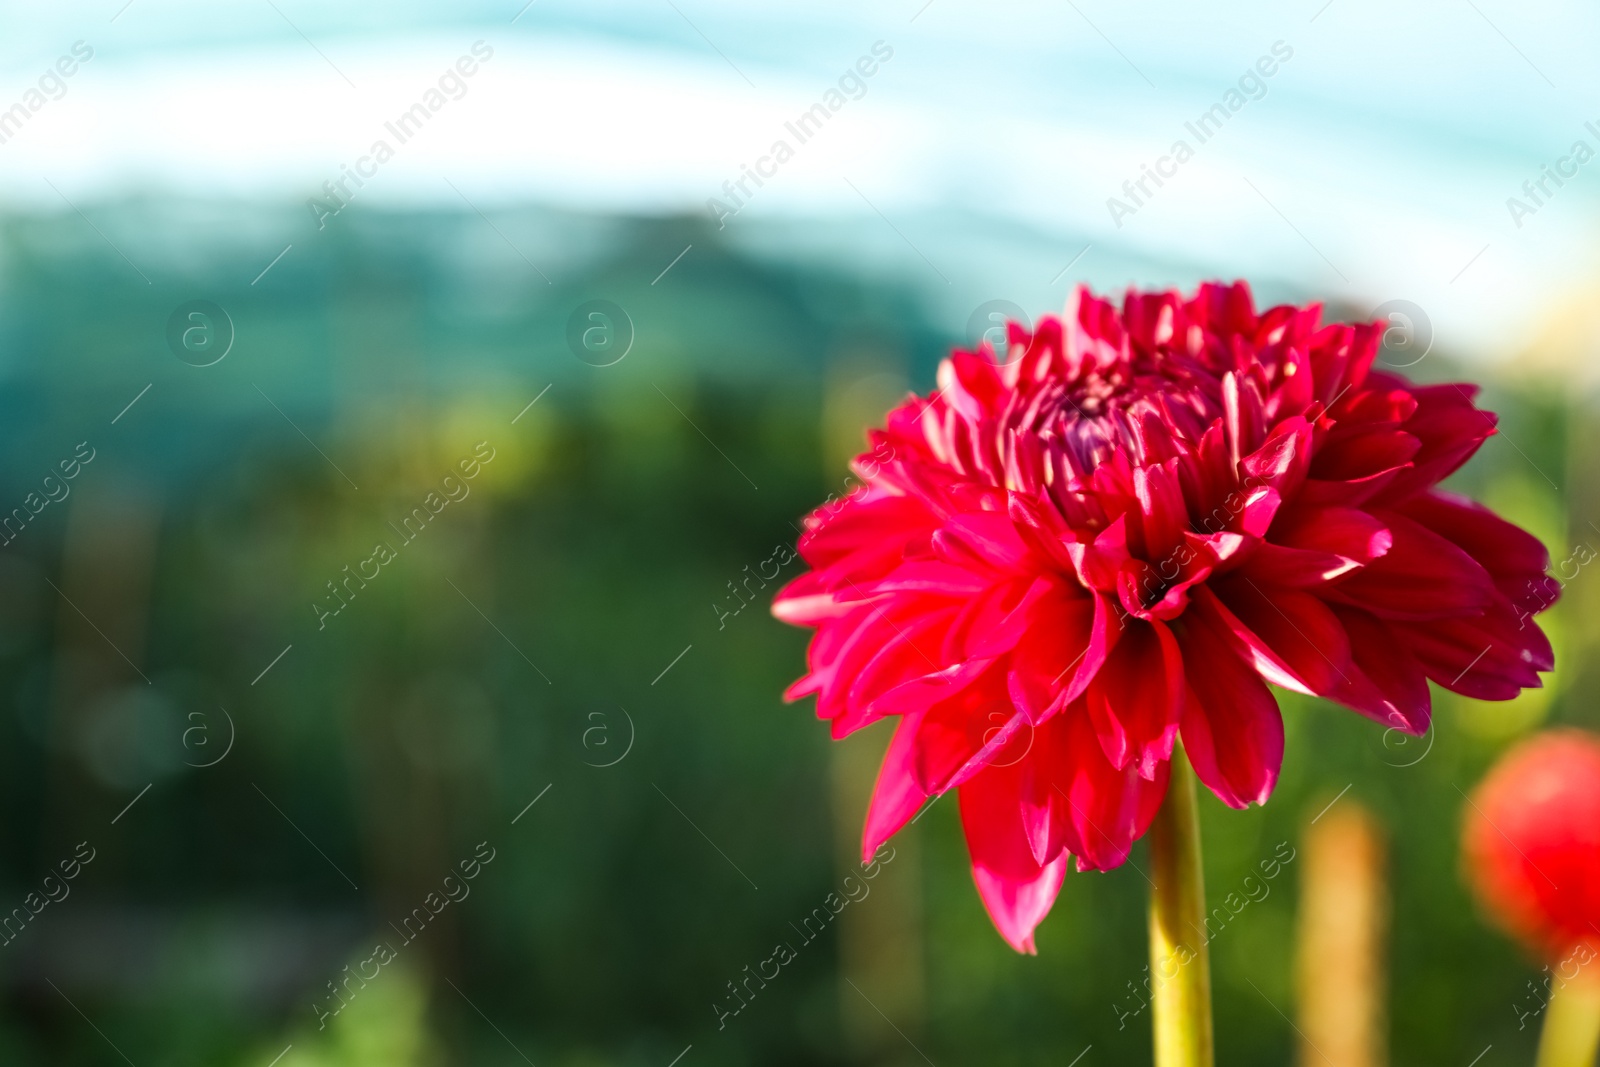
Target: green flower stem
x,y
1180,969
1571,1031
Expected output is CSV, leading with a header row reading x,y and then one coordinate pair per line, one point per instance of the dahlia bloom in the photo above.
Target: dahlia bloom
x,y
1114,537
1531,842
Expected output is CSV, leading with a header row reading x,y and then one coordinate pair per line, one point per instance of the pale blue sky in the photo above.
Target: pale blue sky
x,y
978,162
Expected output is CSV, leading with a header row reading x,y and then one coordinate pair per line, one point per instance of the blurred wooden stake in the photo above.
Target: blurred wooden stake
x,y
1571,1032
1340,972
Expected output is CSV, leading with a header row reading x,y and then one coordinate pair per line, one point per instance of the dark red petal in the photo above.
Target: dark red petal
x,y
807,601
1232,730
1283,461
1512,555
1105,810
1421,577
1290,636
929,576
912,652
1260,508
1384,681
1161,501
1310,546
1353,492
978,625
896,796
1016,889
1061,650
1043,807
1450,428
1100,562
1491,657
1243,417
1136,699
966,732
862,531
1017,608
984,541
924,692
1364,455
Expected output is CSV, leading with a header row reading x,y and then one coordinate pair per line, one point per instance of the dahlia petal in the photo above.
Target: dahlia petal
x,y
1161,500
1224,309
1364,455
1043,820
1044,527
1242,416
858,529
1218,549
1283,461
1149,317
1104,633
930,576
1512,555
978,631
807,601
896,796
1106,809
873,627
1384,681
923,692
1284,340
826,653
1365,341
1045,672
1296,568
1343,355
987,541
1312,546
1208,474
907,655
1018,906
1016,889
972,385
963,734
1450,427
1042,350
1015,609
1351,492
1421,577
1292,637
1143,592
1100,562
1260,508
1232,730
1493,656
1092,331
1136,699
1362,410
1330,361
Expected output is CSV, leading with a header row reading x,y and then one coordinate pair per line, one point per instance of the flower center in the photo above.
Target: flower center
x,y
1101,410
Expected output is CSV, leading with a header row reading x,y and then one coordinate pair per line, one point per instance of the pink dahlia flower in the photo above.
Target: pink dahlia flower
x,y
1531,842
1066,559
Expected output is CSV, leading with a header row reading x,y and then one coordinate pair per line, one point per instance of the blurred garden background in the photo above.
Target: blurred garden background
x,y
277,742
